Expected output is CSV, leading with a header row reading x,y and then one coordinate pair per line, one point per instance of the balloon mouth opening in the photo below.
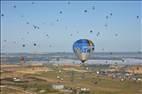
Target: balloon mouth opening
x,y
83,61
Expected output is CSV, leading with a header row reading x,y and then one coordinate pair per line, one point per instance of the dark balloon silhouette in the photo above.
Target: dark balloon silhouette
x,y
93,7
2,14
27,23
106,25
60,12
35,27
23,45
33,3
57,20
34,44
70,34
85,11
98,34
69,2
137,17
47,35
91,31
110,14
22,16
14,6
102,49
106,17
116,35
5,40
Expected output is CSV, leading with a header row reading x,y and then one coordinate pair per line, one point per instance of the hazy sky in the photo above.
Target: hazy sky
x,y
55,25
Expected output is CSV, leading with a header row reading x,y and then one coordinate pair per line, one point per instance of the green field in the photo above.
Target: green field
x,y
40,83
103,85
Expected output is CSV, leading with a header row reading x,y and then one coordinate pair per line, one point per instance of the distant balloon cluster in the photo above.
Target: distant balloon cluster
x,y
35,27
81,47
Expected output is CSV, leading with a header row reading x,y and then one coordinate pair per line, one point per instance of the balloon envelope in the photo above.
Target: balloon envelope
x,y
83,48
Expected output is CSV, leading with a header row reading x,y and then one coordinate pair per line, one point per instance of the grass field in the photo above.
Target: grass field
x,y
40,83
104,85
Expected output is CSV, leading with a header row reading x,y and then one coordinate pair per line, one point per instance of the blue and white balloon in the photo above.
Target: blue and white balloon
x,y
83,48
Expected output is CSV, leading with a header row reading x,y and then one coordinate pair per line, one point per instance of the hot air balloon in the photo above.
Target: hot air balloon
x,y
83,48
85,11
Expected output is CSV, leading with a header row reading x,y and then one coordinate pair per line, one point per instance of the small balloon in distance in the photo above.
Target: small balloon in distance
x,y
70,34
106,25
57,20
91,31
102,49
116,34
23,45
5,40
47,35
85,11
93,7
35,44
33,3
2,14
137,17
106,17
27,23
98,34
35,27
69,2
60,12
14,6
22,16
